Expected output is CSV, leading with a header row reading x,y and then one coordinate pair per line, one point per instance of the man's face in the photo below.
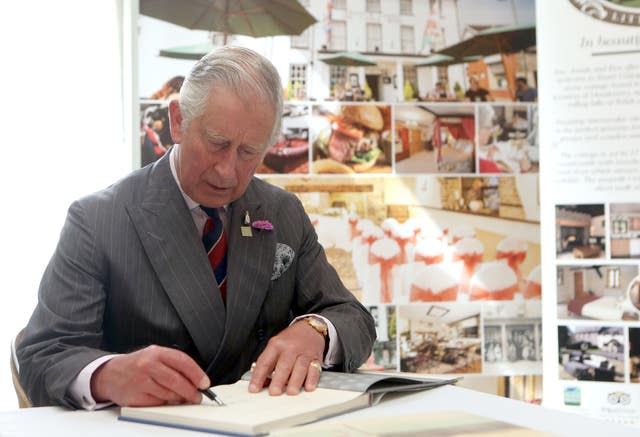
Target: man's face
x,y
220,150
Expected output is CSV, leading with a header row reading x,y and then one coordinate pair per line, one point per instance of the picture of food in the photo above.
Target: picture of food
x,y
507,136
351,138
291,153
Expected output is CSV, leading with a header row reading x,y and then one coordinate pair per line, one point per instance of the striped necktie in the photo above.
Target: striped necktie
x,y
215,243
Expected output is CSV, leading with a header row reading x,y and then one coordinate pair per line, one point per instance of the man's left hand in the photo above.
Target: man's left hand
x,y
291,359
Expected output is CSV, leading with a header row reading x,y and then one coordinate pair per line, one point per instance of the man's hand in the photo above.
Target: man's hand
x,y
294,356
154,375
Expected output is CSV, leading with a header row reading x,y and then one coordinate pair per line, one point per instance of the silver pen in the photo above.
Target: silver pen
x,y
211,395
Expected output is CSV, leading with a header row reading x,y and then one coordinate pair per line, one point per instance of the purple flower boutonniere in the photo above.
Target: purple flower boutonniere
x,y
262,225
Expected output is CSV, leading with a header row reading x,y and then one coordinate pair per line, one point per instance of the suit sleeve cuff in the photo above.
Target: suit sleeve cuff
x,y
334,352
80,388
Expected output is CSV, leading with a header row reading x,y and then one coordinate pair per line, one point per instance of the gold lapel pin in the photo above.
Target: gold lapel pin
x,y
245,230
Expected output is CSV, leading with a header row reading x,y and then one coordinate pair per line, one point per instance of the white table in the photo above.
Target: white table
x,y
54,421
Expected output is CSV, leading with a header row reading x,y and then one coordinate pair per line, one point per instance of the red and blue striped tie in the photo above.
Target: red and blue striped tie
x,y
215,243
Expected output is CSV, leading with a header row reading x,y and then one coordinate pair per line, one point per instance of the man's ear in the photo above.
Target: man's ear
x,y
175,121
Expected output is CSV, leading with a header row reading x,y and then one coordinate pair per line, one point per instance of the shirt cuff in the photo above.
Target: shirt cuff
x,y
334,351
80,388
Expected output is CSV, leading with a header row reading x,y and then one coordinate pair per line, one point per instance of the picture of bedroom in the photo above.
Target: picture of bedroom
x,y
384,355
435,138
591,353
400,240
512,338
508,138
596,292
580,231
625,230
440,338
634,355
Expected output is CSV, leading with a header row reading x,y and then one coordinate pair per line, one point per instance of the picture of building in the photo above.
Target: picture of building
x,y
591,353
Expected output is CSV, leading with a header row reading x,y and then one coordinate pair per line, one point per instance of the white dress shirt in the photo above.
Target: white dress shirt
x,y
80,388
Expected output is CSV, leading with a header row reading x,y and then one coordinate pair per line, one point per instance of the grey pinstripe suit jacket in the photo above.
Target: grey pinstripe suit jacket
x,y
130,271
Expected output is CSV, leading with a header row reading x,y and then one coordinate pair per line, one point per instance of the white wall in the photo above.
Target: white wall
x,y
62,138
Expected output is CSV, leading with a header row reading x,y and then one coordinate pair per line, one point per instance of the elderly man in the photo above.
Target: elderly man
x,y
184,273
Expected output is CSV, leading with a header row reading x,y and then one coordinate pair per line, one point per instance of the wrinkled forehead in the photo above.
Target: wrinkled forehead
x,y
251,100
249,96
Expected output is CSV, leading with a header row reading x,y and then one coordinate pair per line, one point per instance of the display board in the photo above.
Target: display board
x,y
590,211
419,170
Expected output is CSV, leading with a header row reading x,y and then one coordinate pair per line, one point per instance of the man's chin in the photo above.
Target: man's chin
x,y
215,198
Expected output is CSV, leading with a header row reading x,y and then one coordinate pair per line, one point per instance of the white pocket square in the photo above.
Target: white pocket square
x,y
283,260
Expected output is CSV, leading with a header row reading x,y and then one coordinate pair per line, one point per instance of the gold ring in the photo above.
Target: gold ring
x,y
316,364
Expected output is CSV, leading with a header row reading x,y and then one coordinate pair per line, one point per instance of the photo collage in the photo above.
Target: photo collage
x,y
453,288
598,283
419,170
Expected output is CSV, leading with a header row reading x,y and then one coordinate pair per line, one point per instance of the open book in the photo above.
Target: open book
x,y
254,414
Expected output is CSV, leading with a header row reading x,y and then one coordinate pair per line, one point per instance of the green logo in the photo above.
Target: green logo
x,y
623,12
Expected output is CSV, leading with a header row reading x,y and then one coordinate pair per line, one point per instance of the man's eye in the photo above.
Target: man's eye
x,y
217,145
248,152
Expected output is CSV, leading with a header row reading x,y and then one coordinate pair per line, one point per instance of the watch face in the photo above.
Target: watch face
x,y
317,324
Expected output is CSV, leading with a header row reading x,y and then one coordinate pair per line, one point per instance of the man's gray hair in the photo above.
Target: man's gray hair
x,y
246,73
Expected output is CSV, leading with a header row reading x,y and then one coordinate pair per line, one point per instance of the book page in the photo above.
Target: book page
x,y
590,132
246,409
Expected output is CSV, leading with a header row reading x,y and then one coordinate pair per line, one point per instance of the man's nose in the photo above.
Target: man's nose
x,y
226,162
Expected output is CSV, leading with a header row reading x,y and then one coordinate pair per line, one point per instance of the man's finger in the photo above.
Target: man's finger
x,y
262,370
313,375
175,386
144,400
158,391
183,363
281,374
298,376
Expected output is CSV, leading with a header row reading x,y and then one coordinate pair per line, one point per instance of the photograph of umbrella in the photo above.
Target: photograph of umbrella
x,y
505,39
348,59
439,60
256,18
190,52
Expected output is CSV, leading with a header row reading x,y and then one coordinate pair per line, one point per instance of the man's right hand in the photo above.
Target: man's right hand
x,y
154,375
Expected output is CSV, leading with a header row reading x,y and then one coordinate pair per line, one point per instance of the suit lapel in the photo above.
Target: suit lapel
x,y
170,239
249,268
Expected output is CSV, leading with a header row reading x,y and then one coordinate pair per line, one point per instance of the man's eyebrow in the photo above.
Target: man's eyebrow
x,y
216,135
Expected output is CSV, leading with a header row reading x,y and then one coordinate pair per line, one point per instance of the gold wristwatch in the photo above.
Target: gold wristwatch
x,y
318,324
